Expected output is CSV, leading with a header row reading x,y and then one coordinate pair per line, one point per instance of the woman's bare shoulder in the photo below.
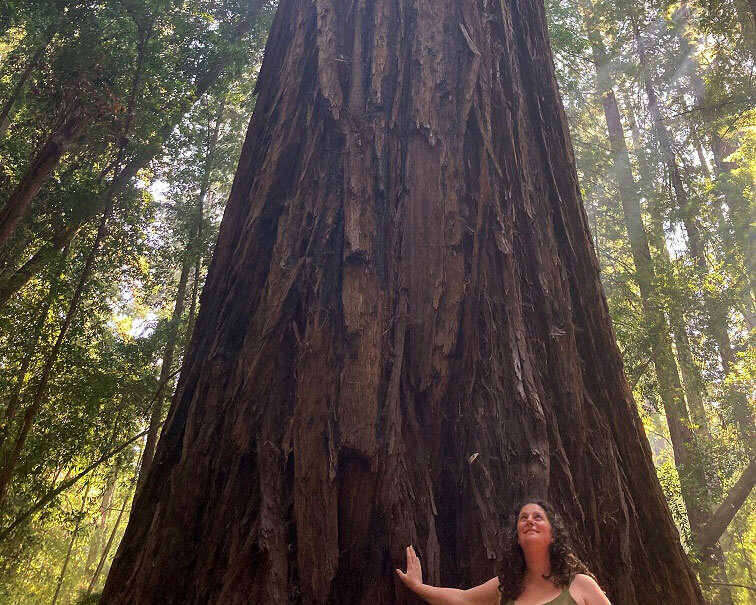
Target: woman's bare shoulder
x,y
585,591
583,581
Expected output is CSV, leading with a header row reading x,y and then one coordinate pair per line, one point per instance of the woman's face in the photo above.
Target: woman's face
x,y
533,526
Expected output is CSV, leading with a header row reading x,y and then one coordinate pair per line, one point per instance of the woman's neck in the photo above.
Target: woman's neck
x,y
538,564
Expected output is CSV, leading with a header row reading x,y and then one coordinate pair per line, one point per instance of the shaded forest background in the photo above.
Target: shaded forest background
x,y
120,129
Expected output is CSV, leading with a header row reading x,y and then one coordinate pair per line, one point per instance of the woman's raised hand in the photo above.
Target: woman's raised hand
x,y
414,575
485,594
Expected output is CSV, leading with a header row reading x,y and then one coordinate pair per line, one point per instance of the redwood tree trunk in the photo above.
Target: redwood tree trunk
x,y
404,279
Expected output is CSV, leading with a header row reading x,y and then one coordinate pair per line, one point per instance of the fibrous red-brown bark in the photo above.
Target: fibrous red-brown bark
x,y
402,332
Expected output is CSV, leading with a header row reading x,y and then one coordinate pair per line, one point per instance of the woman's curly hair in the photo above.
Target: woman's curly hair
x,y
564,564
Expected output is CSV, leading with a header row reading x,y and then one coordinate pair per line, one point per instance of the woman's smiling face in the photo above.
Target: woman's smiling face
x,y
533,525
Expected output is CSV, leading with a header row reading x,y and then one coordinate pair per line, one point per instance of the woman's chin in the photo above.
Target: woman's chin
x,y
533,539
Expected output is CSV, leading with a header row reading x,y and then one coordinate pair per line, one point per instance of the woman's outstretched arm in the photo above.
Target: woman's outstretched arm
x,y
485,594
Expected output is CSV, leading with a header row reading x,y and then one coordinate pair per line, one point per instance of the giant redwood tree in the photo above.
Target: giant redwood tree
x,y
402,332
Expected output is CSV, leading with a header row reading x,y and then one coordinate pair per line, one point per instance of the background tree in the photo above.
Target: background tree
x,y
700,293
104,379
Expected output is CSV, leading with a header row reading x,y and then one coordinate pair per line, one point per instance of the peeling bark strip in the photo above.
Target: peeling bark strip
x,y
404,278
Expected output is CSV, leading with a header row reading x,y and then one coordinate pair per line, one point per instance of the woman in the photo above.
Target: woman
x,y
538,568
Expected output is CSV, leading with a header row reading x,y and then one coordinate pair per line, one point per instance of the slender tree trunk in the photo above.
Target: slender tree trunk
x,y
716,312
41,167
697,480
716,525
668,379
31,352
64,485
106,550
196,279
156,417
703,162
109,544
752,5
39,396
20,83
97,541
693,382
74,535
693,481
192,304
749,310
190,252
199,220
742,239
644,169
402,332
52,251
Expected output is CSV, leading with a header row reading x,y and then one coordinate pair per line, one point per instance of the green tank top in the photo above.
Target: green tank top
x,y
563,598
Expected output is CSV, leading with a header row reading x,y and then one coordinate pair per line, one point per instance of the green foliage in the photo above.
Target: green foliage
x,y
170,73
699,61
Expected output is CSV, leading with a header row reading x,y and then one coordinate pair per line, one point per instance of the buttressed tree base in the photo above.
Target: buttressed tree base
x,y
402,332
